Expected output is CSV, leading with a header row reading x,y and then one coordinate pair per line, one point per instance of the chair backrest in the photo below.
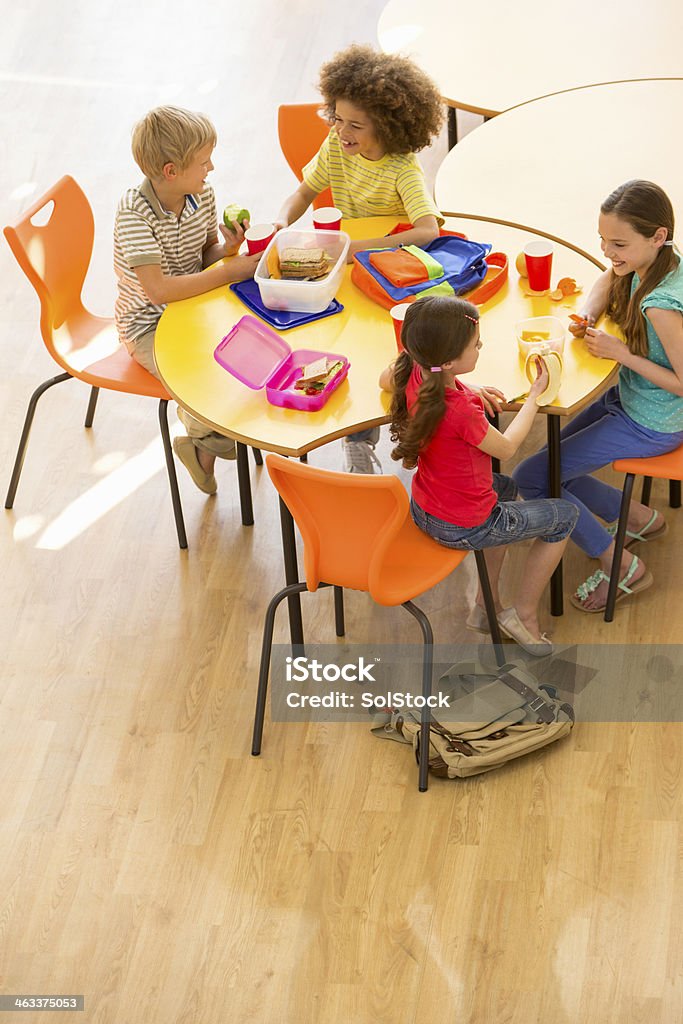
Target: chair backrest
x,y
346,520
55,256
301,133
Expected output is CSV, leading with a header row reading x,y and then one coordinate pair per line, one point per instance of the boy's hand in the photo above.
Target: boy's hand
x,y
542,378
241,268
233,239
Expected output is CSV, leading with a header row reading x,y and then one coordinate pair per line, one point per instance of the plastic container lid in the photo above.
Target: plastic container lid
x,y
248,292
252,352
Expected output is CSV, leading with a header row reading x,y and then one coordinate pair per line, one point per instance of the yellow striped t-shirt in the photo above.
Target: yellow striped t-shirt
x,y
371,188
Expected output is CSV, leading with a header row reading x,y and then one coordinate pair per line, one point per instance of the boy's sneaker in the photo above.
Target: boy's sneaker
x,y
359,456
213,443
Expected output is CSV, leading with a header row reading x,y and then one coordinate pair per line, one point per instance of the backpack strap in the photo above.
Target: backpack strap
x,y
455,743
534,700
491,284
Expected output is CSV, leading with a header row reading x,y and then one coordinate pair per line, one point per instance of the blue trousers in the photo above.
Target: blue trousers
x,y
594,438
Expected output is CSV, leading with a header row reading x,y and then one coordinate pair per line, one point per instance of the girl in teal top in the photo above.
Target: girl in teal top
x,y
642,416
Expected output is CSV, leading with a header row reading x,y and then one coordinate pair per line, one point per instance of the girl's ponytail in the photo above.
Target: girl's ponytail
x,y
399,407
414,431
436,330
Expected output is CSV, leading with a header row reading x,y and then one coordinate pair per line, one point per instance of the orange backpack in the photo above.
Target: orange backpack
x,y
448,265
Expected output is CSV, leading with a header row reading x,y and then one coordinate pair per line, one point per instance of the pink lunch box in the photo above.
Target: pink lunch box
x,y
258,357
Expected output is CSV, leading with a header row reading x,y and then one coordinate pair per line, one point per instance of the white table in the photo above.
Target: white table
x,y
548,165
491,56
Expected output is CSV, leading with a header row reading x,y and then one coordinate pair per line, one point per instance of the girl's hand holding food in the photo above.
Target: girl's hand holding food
x,y
542,379
233,238
604,346
580,321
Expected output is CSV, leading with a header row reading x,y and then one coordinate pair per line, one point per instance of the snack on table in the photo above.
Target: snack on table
x,y
315,376
566,286
315,370
273,264
304,264
552,361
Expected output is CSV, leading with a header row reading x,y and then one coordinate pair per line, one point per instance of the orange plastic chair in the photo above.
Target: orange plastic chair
x,y
301,133
358,533
55,257
662,467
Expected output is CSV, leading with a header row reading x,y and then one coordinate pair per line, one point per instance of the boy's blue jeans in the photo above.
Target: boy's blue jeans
x,y
552,519
595,437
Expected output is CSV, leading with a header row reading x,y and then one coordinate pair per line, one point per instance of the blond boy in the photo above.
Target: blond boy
x,y
165,234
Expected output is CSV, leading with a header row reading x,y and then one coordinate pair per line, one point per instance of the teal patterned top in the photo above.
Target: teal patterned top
x,y
645,402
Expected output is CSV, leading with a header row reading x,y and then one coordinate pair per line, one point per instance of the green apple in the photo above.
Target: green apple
x,y
235,215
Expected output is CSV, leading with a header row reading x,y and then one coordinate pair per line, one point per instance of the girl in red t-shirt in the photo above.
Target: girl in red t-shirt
x,y
439,425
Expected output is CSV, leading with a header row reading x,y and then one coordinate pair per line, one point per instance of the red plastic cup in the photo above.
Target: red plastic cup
x,y
398,313
539,261
327,218
258,236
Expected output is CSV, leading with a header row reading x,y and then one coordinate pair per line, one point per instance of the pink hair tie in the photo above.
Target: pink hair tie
x,y
435,369
472,318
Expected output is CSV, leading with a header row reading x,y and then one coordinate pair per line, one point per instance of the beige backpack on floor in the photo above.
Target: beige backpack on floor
x,y
493,718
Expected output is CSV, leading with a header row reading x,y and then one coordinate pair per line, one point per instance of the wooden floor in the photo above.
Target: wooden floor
x,y
146,860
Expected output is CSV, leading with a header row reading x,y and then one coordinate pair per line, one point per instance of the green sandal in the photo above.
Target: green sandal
x,y
645,534
623,589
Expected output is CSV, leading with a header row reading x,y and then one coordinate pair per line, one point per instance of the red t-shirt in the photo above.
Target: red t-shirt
x,y
454,480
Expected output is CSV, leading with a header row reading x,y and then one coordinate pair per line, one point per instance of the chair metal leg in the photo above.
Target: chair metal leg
x,y
339,626
619,546
555,491
23,443
452,127
258,458
244,484
264,668
674,493
427,671
494,420
172,478
646,491
296,628
490,607
90,414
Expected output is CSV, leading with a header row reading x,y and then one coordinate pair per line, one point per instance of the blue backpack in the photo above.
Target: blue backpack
x,y
448,265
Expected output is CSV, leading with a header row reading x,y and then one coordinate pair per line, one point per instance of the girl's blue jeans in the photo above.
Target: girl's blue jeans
x,y
595,437
552,519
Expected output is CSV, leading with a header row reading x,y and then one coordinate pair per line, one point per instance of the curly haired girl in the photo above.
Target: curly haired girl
x,y
382,109
439,426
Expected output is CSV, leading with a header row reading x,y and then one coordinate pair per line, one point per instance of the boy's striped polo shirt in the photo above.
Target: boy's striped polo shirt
x,y
146,233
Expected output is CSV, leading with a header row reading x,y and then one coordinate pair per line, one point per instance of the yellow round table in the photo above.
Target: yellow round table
x,y
548,165
190,330
363,332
